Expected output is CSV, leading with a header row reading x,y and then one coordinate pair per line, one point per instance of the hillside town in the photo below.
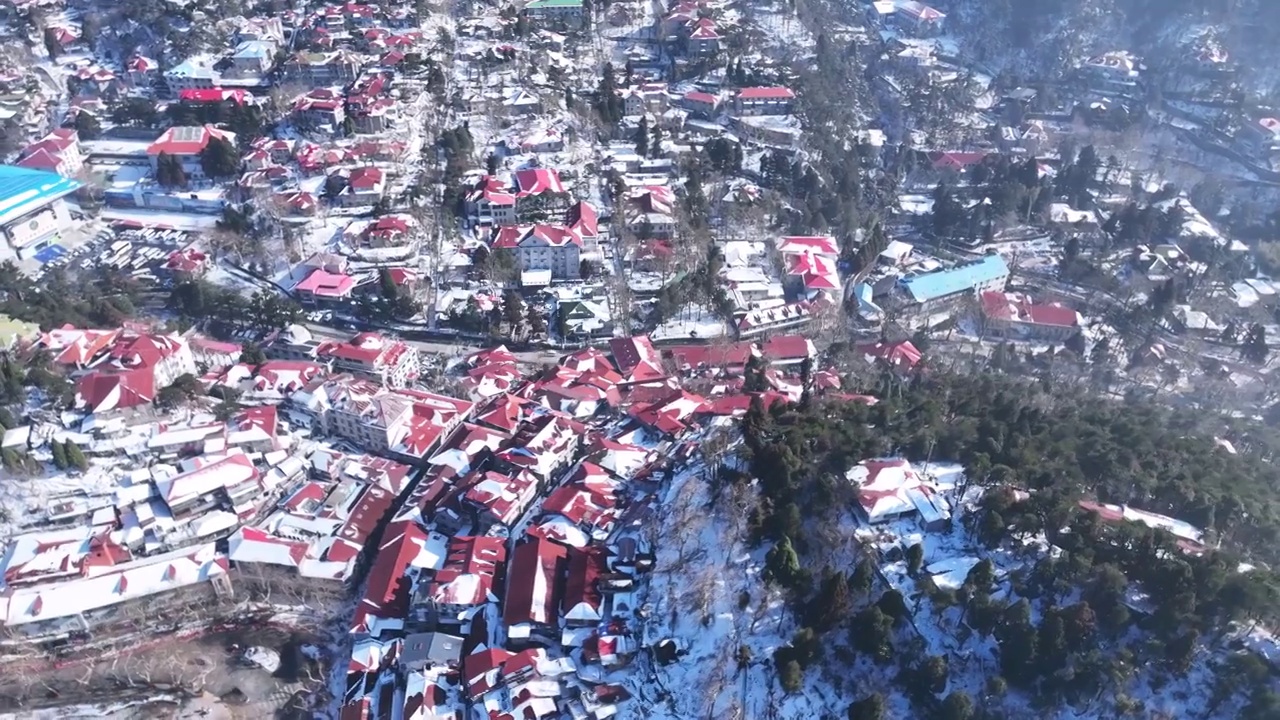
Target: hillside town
x,y
470,337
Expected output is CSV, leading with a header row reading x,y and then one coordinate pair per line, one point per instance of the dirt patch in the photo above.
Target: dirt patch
x,y
209,664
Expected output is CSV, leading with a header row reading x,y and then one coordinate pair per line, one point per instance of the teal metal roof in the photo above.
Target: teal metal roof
x,y
962,277
23,190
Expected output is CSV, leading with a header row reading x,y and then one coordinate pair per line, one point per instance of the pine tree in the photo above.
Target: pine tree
x,y
59,455
915,558
87,126
75,457
219,158
864,576
642,138
871,707
51,44
387,284
12,461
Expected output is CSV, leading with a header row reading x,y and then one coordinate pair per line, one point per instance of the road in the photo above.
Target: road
x,y
446,349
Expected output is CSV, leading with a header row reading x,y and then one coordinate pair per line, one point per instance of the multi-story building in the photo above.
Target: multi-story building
x,y
372,356
764,101
543,247
186,142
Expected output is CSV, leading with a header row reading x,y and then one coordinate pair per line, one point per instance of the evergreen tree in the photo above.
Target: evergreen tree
x,y
864,576
915,558
871,707
872,633
642,138
791,676
87,126
957,706
1254,348
934,672
387,284
12,461
51,44
76,457
59,455
782,565
219,158
169,171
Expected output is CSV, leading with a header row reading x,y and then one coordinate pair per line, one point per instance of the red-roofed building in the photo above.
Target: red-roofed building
x,y
538,181
141,71
466,581
324,288
704,39
1010,315
507,412
59,152
491,202
372,356
788,349
583,602
764,101
186,142
188,263
535,582
956,161
671,415
406,424
582,220
494,498
637,360
386,599
701,103
205,96
137,367
588,500
542,247
365,186
319,108
892,489
77,348
900,355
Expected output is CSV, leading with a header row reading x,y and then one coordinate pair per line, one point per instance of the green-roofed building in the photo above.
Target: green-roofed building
x,y
566,13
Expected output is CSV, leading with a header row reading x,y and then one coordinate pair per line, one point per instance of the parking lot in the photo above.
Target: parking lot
x,y
139,252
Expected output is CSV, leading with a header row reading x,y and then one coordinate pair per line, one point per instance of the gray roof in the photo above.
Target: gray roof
x,y
429,649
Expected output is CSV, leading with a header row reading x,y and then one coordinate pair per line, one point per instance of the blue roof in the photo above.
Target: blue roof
x,y
924,288
23,190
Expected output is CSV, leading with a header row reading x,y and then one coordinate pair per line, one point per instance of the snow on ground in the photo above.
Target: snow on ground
x,y
694,322
707,591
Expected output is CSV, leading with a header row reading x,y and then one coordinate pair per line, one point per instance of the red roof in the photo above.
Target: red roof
x,y
213,95
536,181
42,159
1013,307
326,284
186,140
533,577
734,355
787,347
582,219
955,160
365,178
896,354
104,390
766,93
582,591
701,97
387,592
636,359
466,579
